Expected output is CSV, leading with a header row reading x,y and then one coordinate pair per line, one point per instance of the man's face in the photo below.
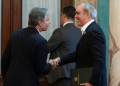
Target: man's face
x,y
46,23
80,15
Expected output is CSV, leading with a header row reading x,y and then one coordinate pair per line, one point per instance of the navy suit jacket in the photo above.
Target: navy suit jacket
x,y
91,52
25,58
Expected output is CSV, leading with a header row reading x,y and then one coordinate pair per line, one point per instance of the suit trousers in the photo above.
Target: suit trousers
x,y
63,82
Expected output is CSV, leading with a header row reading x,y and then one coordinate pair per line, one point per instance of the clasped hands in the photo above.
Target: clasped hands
x,y
55,62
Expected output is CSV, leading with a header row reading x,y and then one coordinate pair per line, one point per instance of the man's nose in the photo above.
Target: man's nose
x,y
75,16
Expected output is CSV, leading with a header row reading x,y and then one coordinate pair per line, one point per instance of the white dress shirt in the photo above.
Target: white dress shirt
x,y
38,30
85,26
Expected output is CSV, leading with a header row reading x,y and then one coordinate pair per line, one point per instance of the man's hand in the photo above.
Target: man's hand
x,y
86,84
53,63
57,60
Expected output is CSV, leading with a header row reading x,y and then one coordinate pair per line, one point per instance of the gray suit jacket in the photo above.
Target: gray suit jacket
x,y
63,41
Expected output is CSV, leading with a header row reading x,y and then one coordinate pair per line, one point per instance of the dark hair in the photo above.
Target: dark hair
x,y
69,11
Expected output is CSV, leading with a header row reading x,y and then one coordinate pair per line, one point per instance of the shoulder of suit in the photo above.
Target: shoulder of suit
x,y
95,30
57,30
70,25
94,27
38,39
16,31
63,29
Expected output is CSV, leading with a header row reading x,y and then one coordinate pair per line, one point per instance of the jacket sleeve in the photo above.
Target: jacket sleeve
x,y
41,56
97,46
5,61
68,58
55,40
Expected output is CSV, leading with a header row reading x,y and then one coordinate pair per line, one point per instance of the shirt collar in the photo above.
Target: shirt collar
x,y
38,30
85,26
67,23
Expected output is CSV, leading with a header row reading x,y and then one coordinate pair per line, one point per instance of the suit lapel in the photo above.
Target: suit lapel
x,y
81,38
85,32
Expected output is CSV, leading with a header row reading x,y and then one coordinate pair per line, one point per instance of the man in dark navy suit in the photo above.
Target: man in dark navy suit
x,y
26,52
91,49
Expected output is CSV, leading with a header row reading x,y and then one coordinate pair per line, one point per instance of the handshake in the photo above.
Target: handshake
x,y
55,62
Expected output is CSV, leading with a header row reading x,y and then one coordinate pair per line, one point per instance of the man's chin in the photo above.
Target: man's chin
x,y
79,24
45,30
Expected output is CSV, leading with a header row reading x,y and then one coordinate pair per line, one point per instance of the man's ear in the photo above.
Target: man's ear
x,y
88,14
40,23
64,15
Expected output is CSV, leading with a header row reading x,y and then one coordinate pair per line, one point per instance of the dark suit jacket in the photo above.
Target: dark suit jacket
x,y
91,51
24,58
63,41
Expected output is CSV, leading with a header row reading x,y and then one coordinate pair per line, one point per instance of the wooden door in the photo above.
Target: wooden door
x,y
11,19
65,3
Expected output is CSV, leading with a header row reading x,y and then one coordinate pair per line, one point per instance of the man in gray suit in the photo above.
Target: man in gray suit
x,y
63,41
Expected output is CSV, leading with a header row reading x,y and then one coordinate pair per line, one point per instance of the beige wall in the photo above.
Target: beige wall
x,y
94,2
114,43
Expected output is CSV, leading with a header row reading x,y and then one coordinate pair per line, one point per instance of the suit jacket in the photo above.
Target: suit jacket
x,y
25,58
63,41
91,51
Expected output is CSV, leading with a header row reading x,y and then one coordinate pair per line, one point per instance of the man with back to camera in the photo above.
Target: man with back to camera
x,y
91,49
63,41
26,52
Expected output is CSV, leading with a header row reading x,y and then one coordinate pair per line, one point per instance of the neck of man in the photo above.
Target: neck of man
x,y
67,20
38,27
87,21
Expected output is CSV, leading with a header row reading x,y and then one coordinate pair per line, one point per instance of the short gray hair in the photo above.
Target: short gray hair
x,y
89,7
37,14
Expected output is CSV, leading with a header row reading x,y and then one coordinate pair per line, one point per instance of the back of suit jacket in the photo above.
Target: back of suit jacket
x,y
63,41
24,58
